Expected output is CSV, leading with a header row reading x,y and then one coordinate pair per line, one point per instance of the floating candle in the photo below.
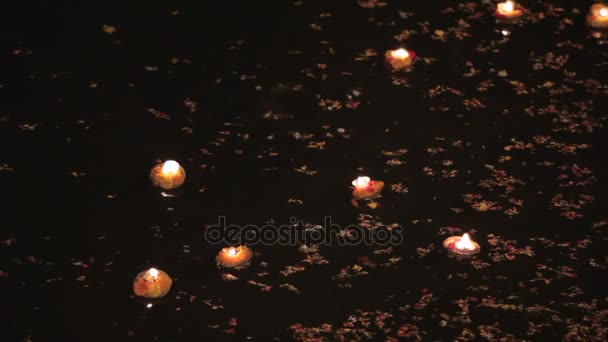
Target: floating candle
x,y
598,16
366,188
400,59
168,175
152,283
508,10
234,257
461,245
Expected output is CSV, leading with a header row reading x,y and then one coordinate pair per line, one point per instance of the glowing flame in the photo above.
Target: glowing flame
x,y
604,12
361,182
153,273
508,6
400,53
465,243
232,251
170,168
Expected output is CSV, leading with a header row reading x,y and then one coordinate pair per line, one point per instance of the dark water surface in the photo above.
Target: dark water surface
x,y
504,138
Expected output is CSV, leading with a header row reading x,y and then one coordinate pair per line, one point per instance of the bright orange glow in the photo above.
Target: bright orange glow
x,y
234,256
361,182
400,53
465,243
170,168
152,283
153,274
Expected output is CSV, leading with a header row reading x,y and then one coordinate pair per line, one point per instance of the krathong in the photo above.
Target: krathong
x,y
508,10
399,59
168,175
461,245
152,283
234,257
598,16
365,188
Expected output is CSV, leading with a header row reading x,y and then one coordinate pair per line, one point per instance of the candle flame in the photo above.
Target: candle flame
x,y
604,12
170,168
361,182
508,6
465,243
232,251
400,53
153,272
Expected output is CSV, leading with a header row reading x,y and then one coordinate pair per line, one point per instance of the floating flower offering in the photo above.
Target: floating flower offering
x,y
365,188
461,245
234,257
598,16
400,59
508,10
152,283
168,175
